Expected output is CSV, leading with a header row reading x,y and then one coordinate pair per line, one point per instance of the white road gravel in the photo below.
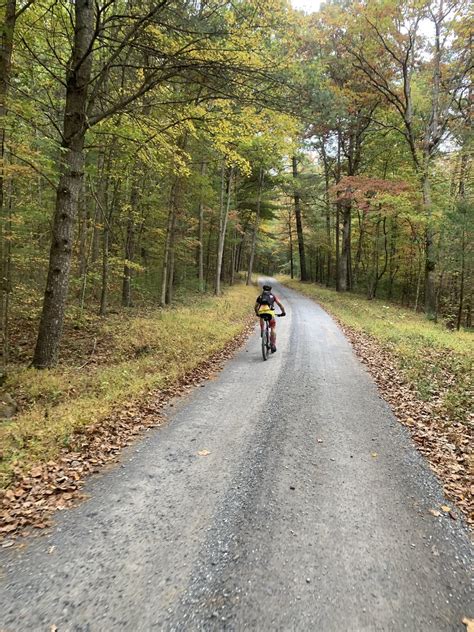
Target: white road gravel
x,y
307,509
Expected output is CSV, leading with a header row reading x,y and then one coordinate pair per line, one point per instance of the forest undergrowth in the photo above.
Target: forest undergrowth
x,y
424,372
112,380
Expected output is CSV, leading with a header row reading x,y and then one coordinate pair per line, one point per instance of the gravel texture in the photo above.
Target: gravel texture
x,y
283,495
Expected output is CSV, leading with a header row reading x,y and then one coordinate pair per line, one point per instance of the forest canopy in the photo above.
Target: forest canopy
x,y
157,148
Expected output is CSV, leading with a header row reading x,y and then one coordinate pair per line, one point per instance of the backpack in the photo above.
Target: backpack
x,y
266,298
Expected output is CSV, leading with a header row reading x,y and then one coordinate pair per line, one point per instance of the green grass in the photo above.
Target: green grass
x,y
435,361
135,353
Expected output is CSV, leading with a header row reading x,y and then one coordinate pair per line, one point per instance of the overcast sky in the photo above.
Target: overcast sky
x,y
426,27
306,5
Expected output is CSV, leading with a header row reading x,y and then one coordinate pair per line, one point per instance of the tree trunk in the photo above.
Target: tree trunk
x,y
71,174
299,224
462,199
255,228
201,233
127,270
83,222
171,267
105,269
344,260
103,172
7,282
129,247
107,211
360,242
166,255
430,255
392,259
7,29
290,232
338,246
327,202
223,217
233,256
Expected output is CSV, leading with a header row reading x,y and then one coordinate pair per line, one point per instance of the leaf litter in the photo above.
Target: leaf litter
x,y
446,443
34,496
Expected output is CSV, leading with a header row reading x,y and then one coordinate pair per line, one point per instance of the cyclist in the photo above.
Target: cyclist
x,y
265,304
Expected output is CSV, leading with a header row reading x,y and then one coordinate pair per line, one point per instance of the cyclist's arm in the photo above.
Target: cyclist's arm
x,y
257,307
280,305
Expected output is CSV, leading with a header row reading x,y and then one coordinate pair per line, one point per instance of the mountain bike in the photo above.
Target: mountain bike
x,y
266,335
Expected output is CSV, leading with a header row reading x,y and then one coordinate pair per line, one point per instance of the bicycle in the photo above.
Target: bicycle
x,y
266,335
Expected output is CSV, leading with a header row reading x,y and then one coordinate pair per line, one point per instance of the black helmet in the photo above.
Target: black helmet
x,y
267,288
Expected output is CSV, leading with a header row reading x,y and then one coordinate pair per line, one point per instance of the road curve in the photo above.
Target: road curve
x,y
283,495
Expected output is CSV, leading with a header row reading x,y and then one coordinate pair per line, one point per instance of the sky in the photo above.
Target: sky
x,y
306,5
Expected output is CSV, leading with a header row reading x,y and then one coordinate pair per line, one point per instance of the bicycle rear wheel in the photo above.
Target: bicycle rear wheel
x,y
265,341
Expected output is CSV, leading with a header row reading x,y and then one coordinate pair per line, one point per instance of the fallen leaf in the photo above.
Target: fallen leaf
x,y
445,508
203,452
469,623
435,513
374,454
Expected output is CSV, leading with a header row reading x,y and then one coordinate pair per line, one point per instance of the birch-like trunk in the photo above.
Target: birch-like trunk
x,y
223,217
430,254
201,233
256,226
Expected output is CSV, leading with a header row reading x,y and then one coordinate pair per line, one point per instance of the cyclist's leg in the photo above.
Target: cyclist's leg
x,y
273,336
262,325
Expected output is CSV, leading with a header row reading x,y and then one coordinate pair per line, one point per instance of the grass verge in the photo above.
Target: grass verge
x,y
130,355
436,362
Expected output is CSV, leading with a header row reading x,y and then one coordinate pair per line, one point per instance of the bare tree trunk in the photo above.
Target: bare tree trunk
x,y
103,171
129,247
107,211
430,255
127,270
360,241
462,196
201,234
169,234
418,282
7,281
7,28
338,247
171,267
223,217
105,268
232,264
256,226
299,223
344,259
83,221
71,174
327,202
290,233
392,259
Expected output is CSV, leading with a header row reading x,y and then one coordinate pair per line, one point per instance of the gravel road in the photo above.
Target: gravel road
x,y
283,495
